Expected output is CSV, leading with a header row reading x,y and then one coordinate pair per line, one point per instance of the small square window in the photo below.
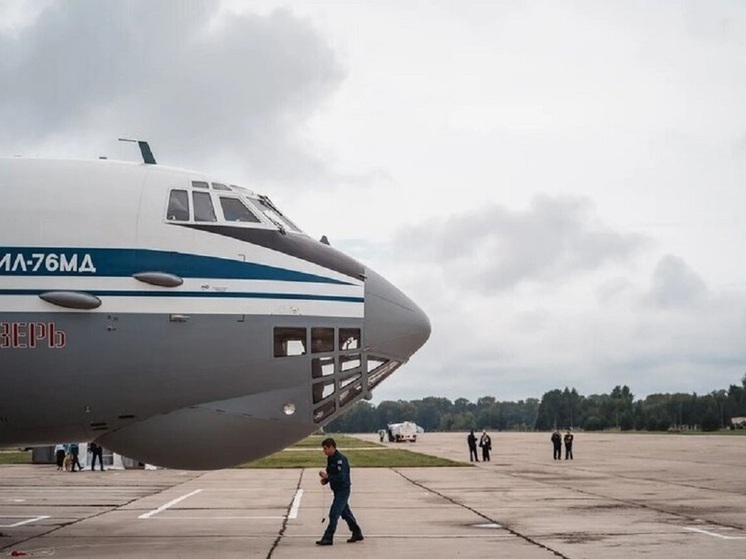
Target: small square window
x,y
322,367
349,338
347,396
347,380
322,390
289,342
349,362
324,411
322,340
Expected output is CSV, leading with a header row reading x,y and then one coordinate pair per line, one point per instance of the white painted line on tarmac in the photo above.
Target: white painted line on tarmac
x,y
22,522
160,509
477,536
715,534
234,489
179,517
296,504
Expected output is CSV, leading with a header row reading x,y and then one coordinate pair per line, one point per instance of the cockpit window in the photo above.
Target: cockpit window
x,y
203,210
239,206
274,215
235,210
178,206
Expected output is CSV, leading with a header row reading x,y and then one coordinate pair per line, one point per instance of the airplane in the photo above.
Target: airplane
x,y
179,319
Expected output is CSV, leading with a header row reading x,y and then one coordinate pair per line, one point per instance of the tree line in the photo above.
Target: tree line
x,y
556,409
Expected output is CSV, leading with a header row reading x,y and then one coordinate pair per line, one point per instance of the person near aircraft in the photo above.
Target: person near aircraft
x,y
485,443
568,444
557,444
59,456
67,463
472,441
75,452
337,476
97,451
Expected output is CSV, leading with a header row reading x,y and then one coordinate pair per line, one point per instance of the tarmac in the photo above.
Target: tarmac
x,y
623,495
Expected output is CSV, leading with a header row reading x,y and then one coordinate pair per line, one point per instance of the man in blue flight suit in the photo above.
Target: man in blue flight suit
x,y
337,475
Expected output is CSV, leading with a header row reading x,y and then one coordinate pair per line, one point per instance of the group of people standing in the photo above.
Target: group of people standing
x,y
557,440
485,443
67,456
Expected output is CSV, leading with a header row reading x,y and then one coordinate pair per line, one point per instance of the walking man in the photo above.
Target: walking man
x,y
97,453
75,451
337,475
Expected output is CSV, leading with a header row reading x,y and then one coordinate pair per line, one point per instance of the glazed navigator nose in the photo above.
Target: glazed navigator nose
x,y
395,327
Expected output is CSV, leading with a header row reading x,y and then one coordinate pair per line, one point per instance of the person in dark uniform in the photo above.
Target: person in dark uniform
x,y
568,444
337,475
75,452
485,442
472,440
557,444
97,451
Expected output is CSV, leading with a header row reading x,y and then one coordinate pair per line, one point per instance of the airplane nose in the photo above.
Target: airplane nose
x,y
395,326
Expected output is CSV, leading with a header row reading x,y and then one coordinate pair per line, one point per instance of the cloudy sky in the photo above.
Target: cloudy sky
x,y
561,186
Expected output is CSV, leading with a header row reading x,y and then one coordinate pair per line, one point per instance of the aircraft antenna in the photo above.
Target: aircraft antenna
x,y
147,155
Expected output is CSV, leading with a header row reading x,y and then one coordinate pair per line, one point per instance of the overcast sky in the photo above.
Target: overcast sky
x,y
561,186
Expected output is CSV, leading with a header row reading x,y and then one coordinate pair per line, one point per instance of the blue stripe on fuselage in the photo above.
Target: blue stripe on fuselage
x,y
201,294
118,262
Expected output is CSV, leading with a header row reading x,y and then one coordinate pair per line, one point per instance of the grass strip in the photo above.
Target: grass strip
x,y
15,457
343,441
384,458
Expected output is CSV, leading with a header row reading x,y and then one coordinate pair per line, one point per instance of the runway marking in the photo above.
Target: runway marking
x,y
416,536
296,504
29,521
160,509
219,518
715,535
294,509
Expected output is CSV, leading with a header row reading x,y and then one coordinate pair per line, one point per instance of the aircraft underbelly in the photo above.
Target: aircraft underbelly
x,y
117,370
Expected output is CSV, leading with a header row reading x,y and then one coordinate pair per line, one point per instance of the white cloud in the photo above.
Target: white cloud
x,y
676,285
203,89
491,249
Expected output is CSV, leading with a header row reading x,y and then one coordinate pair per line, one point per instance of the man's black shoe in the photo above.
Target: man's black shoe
x,y
356,538
325,542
